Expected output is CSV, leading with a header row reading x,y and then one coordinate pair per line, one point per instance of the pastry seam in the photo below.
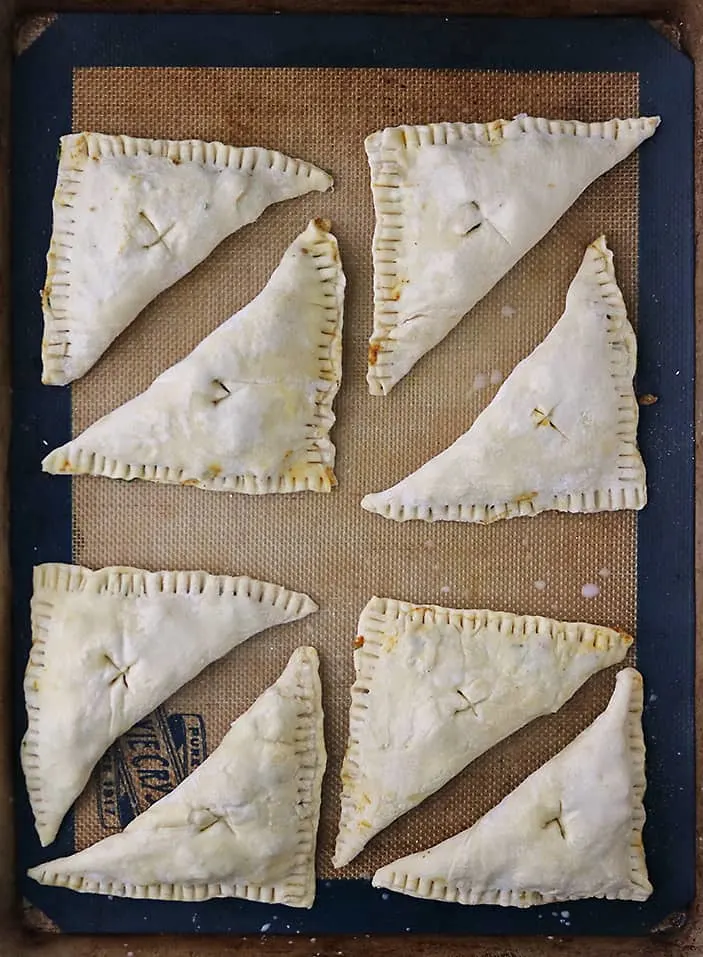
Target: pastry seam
x,y
127,582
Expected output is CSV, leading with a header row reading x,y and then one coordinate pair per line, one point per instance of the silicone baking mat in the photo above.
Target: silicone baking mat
x,y
320,107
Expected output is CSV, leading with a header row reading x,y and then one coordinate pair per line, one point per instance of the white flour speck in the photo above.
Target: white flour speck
x,y
44,442
496,377
604,573
384,897
590,590
480,381
507,312
540,585
265,927
653,697
445,589
565,913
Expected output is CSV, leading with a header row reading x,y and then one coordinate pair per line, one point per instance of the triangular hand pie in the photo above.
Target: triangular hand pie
x,y
457,205
437,687
243,824
250,409
109,646
561,432
572,829
133,216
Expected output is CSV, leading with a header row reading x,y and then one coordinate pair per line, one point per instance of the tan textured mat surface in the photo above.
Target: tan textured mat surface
x,y
326,545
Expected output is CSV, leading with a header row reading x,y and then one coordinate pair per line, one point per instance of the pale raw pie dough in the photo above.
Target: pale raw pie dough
x,y
243,824
561,432
571,830
457,205
250,409
437,687
109,646
131,217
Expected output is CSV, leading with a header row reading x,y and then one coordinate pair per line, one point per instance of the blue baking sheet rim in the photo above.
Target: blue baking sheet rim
x,y
41,506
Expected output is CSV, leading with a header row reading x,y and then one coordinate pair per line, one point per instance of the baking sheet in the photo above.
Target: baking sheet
x,y
327,545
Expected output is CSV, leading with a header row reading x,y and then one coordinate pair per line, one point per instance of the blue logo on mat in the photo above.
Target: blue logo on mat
x,y
146,763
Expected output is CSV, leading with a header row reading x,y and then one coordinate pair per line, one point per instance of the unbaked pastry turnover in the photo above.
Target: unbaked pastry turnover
x,y
561,432
250,409
437,687
133,216
572,829
109,646
243,824
457,205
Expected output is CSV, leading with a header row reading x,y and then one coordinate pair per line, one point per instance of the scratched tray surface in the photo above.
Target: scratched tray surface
x,y
117,74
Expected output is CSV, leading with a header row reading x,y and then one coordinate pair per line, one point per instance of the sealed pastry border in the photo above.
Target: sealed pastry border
x,y
60,578
41,511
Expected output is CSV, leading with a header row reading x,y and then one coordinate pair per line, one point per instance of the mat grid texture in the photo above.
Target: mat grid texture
x,y
325,544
